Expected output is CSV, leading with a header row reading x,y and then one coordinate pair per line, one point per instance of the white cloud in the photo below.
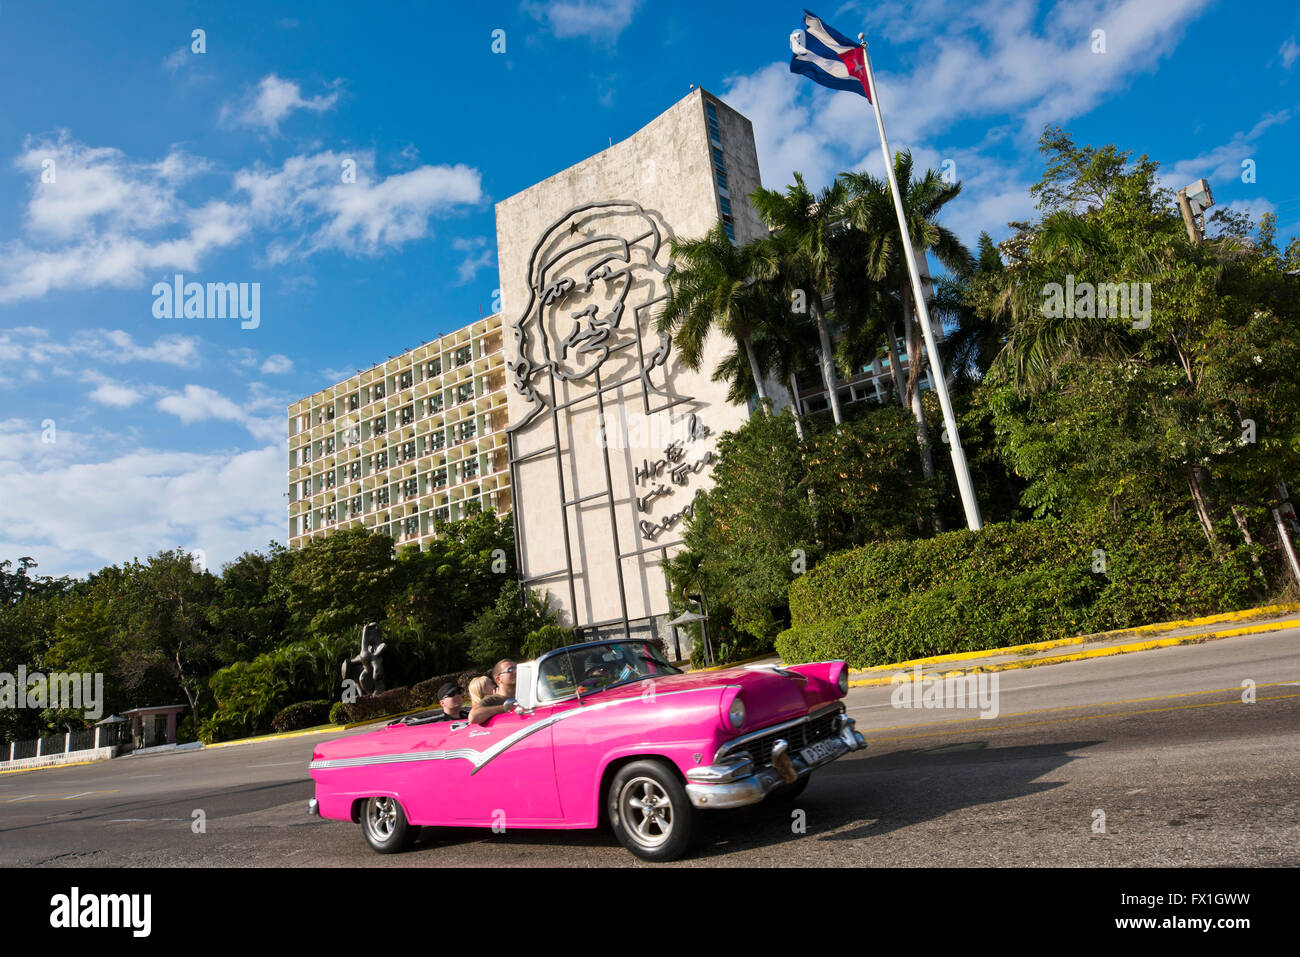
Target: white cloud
x,y
1288,52
33,346
176,59
198,403
75,511
479,255
1004,63
593,19
277,365
108,220
273,100
361,217
112,393
1222,163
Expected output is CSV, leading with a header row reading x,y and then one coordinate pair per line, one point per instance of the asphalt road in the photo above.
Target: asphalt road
x,y
1157,746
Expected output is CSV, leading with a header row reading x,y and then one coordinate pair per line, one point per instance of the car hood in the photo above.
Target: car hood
x,y
772,694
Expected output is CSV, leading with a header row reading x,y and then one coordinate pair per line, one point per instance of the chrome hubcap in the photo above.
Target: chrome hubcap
x,y
381,817
646,811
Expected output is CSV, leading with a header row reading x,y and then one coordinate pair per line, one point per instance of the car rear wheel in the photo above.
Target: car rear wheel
x,y
650,811
385,826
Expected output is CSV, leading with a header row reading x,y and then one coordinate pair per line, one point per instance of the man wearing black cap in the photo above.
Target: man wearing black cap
x,y
453,703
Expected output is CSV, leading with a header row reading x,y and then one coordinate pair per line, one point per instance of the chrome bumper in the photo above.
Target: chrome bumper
x,y
313,807
734,782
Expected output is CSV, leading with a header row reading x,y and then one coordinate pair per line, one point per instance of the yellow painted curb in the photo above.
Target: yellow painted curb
x,y
1083,639
46,767
1083,655
307,731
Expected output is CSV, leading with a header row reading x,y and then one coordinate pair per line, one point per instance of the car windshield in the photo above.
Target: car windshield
x,y
589,668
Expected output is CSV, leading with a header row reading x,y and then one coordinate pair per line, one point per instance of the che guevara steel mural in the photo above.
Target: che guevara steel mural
x,y
586,342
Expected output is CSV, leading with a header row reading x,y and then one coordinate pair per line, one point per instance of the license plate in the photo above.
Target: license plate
x,y
819,751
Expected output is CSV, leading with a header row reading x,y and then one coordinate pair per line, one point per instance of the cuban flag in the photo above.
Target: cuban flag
x,y
828,56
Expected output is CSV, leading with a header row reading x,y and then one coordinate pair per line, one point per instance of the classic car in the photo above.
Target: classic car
x,y
605,731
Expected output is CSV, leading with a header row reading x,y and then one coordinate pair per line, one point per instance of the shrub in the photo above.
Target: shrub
x,y
1006,585
371,706
338,713
304,714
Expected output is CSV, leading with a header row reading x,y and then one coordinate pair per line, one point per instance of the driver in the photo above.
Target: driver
x,y
503,675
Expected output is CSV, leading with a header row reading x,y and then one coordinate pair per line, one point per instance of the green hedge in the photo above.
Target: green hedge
x,y
1005,585
304,714
393,701
338,713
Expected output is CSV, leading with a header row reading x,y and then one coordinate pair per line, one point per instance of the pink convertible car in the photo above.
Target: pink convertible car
x,y
606,730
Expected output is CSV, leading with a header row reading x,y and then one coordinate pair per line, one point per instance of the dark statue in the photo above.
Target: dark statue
x,y
366,670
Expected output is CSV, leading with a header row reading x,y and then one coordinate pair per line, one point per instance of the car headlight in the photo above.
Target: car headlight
x,y
843,679
736,713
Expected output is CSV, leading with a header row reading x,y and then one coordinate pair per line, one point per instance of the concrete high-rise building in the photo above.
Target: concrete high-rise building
x,y
411,441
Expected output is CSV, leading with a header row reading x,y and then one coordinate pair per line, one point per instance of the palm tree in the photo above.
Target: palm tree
x,y
805,247
711,287
871,209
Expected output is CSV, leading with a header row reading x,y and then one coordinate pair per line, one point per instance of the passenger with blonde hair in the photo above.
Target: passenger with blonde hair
x,y
480,688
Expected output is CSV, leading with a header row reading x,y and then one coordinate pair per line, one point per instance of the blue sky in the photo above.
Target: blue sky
x,y
122,433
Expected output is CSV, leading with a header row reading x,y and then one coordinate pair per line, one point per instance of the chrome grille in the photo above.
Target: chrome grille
x,y
799,735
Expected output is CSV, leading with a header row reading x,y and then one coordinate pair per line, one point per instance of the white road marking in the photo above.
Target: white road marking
x,y
82,794
23,798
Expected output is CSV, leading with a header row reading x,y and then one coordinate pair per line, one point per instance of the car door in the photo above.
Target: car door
x,y
502,772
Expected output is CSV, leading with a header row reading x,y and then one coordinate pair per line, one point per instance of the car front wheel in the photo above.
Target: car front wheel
x,y
650,812
385,826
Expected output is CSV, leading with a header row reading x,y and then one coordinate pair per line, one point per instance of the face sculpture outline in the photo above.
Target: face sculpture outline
x,y
593,276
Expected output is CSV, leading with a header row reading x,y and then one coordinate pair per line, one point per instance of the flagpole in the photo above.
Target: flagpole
x,y
964,484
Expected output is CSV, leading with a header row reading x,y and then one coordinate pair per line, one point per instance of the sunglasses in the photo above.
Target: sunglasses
x,y
506,671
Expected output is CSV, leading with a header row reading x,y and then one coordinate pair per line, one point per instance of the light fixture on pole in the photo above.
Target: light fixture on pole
x,y
1193,201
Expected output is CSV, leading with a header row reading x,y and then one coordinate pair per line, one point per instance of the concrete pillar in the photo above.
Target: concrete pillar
x,y
11,750
38,746
67,741
97,730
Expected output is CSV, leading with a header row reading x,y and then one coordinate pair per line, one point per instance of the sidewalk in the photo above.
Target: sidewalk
x,y
1144,638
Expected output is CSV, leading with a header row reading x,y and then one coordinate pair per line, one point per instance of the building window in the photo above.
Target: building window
x,y
439,478
376,391
413,524
464,354
730,230
437,440
404,381
380,461
407,452
330,514
721,176
381,497
468,429
434,368
408,411
354,471
380,424
435,403
305,455
465,392
329,479
469,469
442,514
356,506
726,206
304,488
411,488
329,413
354,402
329,443
715,132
